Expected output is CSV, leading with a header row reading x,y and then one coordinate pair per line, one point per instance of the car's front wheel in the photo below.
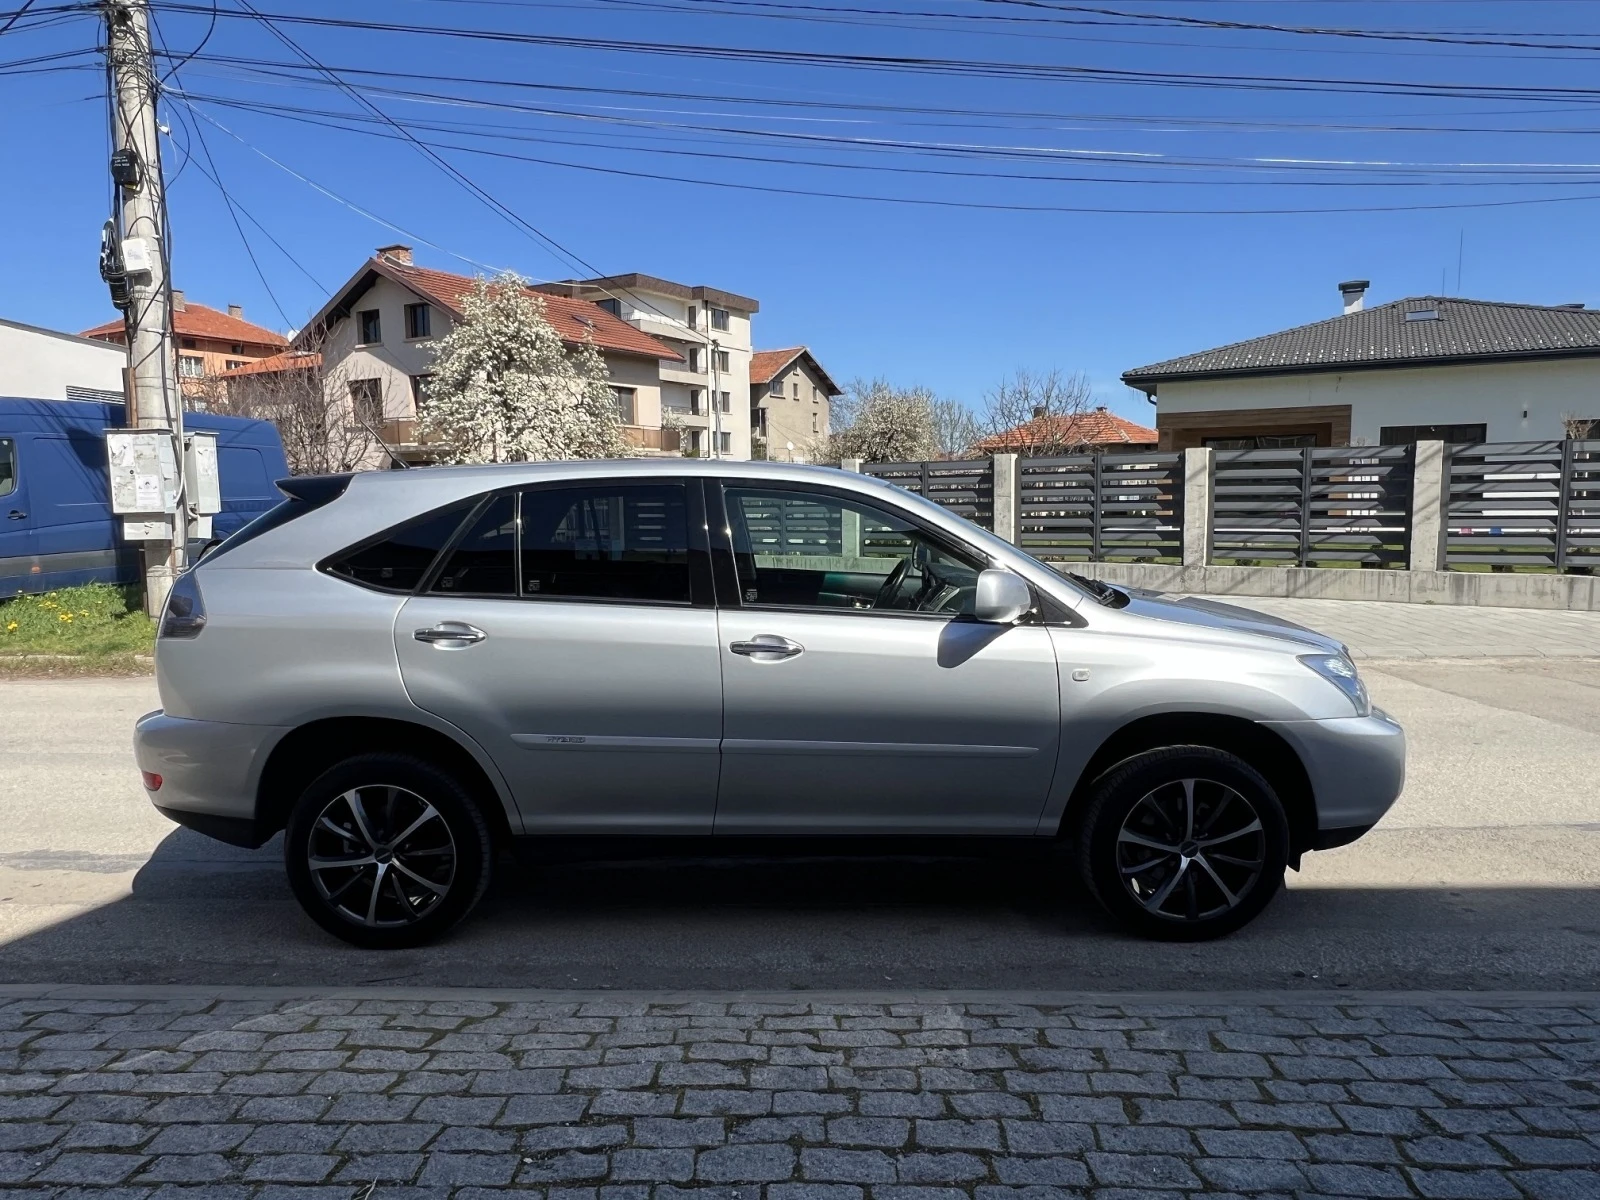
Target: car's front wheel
x,y
1183,843
386,851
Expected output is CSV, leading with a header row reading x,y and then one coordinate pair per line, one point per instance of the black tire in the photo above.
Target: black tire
x,y
1128,876
413,890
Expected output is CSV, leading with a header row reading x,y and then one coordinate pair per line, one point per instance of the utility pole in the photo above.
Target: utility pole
x,y
716,396
154,401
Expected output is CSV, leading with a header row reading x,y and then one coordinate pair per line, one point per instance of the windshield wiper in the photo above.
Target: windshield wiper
x,y
1104,593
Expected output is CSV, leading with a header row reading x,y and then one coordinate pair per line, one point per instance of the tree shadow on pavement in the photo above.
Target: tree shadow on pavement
x,y
203,914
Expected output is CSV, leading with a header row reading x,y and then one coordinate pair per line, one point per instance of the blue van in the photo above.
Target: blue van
x,y
56,527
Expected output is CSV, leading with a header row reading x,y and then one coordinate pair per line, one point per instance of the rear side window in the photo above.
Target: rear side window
x,y
398,560
606,543
484,561
8,466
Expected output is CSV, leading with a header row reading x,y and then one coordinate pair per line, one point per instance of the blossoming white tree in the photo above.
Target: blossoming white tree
x,y
505,388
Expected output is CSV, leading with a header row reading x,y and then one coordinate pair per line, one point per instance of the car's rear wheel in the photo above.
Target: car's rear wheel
x,y
1183,843
386,850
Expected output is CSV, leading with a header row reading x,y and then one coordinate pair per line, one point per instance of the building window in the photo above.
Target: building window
x,y
187,343
694,442
1404,435
419,391
694,360
1262,441
724,443
236,348
758,419
697,402
719,318
694,315
369,328
723,362
775,388
191,366
625,398
816,423
366,400
725,402
233,364
816,395
612,305
419,321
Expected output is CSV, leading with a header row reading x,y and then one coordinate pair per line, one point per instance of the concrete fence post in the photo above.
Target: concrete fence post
x,y
1199,482
849,518
1007,497
1430,506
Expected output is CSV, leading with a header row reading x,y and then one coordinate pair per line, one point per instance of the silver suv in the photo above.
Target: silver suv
x,y
407,672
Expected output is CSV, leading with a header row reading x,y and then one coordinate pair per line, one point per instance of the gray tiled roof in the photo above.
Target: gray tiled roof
x,y
1380,336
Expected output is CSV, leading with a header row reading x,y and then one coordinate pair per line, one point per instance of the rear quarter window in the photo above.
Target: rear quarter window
x,y
399,559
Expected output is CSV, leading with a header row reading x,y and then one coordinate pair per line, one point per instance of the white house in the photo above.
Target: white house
x,y
44,364
1426,367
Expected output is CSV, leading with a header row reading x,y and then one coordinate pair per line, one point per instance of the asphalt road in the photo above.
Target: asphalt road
x,y
1486,875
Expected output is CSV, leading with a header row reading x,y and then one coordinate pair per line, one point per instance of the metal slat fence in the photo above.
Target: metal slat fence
x,y
1347,506
965,487
1524,506
1102,507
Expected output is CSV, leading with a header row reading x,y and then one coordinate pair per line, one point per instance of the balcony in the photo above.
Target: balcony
x,y
667,441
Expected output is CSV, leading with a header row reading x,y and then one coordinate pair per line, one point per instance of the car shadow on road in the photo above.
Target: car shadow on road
x,y
815,917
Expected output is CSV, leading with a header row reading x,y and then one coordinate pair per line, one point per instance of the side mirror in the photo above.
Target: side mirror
x,y
1002,598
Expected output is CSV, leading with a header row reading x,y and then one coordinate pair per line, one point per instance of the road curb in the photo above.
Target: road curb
x,y
285,993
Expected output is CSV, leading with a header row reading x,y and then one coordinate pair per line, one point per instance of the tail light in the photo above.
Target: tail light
x,y
185,614
152,781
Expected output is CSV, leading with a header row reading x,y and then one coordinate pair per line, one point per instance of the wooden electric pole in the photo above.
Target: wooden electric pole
x,y
154,400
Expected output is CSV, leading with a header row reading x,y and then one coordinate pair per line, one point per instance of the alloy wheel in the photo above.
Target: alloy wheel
x,y
381,856
1191,850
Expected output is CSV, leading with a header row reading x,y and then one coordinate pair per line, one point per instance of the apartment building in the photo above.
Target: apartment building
x,y
706,387
790,399
210,341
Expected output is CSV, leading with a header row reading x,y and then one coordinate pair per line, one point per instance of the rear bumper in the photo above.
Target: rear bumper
x,y
1357,767
209,772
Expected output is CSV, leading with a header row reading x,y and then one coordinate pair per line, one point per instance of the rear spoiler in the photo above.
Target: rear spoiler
x,y
315,490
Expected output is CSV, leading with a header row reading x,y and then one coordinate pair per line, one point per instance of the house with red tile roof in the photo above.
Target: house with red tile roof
x,y
790,400
1096,431
375,338
210,341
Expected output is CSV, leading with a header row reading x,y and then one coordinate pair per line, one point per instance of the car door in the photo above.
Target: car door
x,y
859,694
571,630
18,545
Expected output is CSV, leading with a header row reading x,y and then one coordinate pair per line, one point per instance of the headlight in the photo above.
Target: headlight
x,y
1341,672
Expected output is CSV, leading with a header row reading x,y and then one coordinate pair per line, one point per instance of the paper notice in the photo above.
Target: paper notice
x,y
147,493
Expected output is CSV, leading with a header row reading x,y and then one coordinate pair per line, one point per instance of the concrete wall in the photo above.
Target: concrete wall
x,y
39,364
1494,394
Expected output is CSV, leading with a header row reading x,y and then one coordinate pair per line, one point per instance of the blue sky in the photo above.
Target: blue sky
x,y
950,297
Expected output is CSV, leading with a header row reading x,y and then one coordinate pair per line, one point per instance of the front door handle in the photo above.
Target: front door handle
x,y
450,635
16,514
767,647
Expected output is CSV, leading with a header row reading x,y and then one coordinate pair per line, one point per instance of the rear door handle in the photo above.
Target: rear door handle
x,y
767,647
450,635
16,514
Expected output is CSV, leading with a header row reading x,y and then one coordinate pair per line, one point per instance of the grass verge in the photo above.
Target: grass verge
x,y
96,629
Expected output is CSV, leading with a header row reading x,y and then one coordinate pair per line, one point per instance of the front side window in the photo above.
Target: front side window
x,y
606,542
398,560
8,466
798,549
369,327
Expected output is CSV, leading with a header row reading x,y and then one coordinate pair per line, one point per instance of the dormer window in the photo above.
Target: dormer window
x,y
1423,314
612,305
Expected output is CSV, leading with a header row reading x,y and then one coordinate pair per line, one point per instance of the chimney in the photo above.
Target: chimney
x,y
1354,292
397,254
236,310
1038,411
177,300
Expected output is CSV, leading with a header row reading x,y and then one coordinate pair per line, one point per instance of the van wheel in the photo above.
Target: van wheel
x,y
386,851
1184,843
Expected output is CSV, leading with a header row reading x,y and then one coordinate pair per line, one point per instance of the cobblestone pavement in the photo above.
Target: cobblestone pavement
x,y
1381,630
608,1099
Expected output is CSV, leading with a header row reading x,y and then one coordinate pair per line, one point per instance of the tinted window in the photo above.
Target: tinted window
x,y
812,550
484,561
399,561
606,542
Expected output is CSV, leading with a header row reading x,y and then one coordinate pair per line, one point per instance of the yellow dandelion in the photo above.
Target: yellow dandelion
x,y
67,617
11,626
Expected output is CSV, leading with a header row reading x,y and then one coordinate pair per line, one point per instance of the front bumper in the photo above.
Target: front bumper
x,y
1357,767
209,771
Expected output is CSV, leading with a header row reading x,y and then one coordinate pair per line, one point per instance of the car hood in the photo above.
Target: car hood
x,y
1230,618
